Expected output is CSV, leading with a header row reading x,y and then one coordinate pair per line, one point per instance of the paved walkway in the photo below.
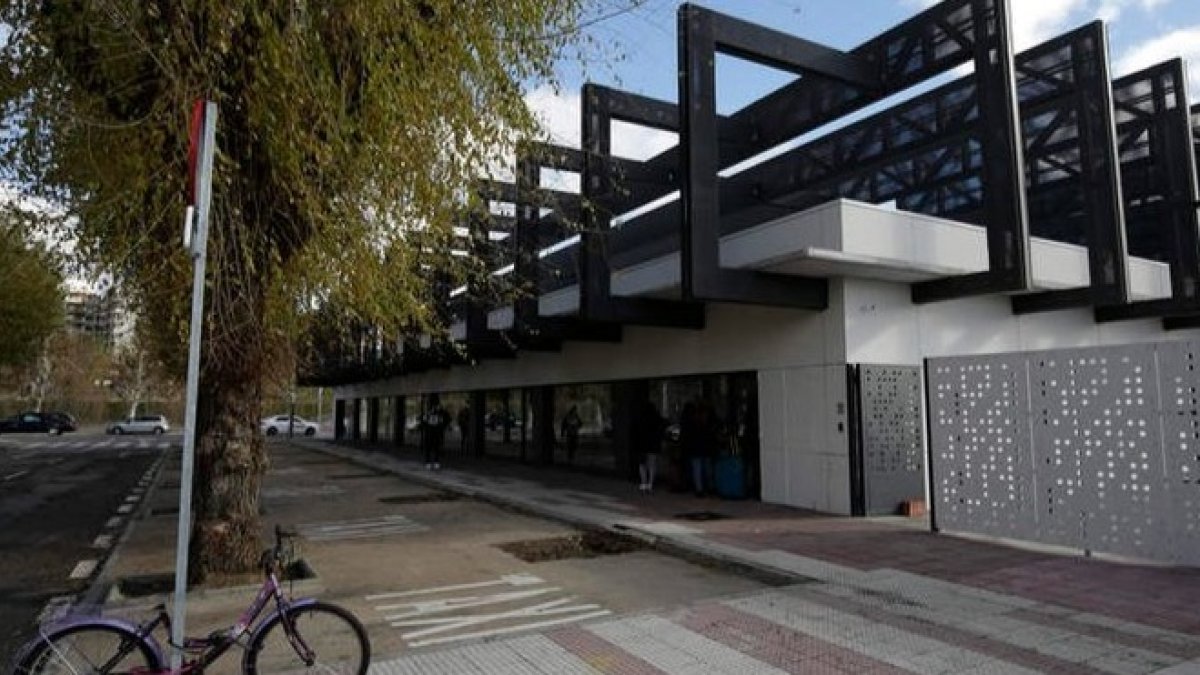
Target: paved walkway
x,y
870,595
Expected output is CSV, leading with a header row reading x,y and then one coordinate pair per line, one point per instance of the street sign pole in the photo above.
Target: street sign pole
x,y
196,241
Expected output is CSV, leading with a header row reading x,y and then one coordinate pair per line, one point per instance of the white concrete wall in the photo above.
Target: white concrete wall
x,y
884,326
737,338
804,447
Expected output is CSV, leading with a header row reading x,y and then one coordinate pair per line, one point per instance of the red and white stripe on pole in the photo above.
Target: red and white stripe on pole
x,y
195,149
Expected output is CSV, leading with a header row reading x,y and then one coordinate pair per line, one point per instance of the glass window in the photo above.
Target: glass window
x,y
458,405
412,421
384,424
583,430
504,424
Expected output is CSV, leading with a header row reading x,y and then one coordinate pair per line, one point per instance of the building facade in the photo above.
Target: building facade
x,y
801,283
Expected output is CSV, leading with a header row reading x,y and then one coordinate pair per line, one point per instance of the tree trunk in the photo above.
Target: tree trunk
x,y
230,459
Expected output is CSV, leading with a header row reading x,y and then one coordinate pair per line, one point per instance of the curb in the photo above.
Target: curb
x,y
97,589
691,551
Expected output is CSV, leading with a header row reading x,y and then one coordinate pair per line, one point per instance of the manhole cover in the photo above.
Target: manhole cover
x,y
357,476
421,498
581,545
165,511
701,515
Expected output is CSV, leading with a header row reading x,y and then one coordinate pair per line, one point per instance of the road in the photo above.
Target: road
x,y
57,495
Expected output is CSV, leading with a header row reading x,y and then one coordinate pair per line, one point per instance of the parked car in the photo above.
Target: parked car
x,y
278,424
142,424
53,423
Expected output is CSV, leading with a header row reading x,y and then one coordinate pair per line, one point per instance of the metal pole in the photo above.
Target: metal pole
x,y
199,251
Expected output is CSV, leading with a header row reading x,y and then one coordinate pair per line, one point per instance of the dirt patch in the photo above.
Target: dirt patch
x,y
426,498
701,516
356,476
589,544
142,585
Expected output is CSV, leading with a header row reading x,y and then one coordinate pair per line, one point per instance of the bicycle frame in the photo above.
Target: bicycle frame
x,y
215,645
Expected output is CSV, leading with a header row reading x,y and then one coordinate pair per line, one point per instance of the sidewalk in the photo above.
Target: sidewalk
x,y
861,595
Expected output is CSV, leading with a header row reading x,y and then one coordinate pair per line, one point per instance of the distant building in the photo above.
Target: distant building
x,y
100,314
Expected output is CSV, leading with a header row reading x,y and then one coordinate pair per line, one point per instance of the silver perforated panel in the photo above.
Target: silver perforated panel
x,y
1077,449
1179,365
979,441
893,448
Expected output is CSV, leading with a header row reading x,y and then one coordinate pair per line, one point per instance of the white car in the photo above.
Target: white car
x,y
278,424
142,424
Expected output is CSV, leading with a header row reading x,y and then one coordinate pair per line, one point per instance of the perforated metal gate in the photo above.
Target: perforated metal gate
x,y
887,450
1090,448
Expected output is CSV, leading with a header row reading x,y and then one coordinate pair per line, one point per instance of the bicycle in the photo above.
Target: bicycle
x,y
298,634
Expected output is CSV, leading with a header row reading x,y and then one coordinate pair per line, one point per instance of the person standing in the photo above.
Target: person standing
x,y
698,436
433,432
568,431
648,428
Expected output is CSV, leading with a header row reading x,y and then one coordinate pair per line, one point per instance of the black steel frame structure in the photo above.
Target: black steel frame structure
x,y
1158,174
1040,144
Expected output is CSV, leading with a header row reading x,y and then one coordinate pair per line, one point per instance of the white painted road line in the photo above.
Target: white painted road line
x,y
115,521
103,541
14,476
431,620
84,569
508,579
132,499
125,508
360,529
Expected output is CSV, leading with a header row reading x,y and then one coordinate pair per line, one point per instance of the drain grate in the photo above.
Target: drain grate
x,y
425,498
357,476
165,511
701,515
589,544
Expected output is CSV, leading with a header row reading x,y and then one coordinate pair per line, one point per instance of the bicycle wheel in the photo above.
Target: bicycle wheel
x,y
333,636
90,649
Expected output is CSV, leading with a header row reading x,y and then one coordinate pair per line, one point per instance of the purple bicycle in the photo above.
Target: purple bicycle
x,y
303,635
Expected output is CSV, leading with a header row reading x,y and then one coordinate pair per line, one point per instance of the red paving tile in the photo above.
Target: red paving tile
x,y
601,654
777,645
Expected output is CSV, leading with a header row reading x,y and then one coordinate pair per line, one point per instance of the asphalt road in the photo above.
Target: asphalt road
x,y
57,494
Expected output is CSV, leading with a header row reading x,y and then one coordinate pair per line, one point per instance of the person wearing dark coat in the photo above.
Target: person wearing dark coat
x,y
648,428
698,438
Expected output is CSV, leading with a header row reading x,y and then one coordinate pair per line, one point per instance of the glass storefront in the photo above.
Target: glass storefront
x,y
412,423
584,426
383,425
458,406
506,423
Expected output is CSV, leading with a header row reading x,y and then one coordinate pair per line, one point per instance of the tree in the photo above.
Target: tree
x,y
137,375
348,132
30,299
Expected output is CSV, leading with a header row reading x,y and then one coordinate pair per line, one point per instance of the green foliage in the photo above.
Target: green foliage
x,y
30,300
348,131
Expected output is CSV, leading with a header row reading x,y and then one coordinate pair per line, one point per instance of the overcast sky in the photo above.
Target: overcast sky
x,y
642,52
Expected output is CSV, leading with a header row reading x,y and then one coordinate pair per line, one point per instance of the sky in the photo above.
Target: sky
x,y
636,50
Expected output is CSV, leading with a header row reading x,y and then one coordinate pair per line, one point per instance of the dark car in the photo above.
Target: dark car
x,y
38,422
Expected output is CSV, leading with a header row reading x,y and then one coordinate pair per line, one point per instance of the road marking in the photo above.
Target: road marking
x,y
431,620
83,569
103,541
113,522
122,444
13,476
314,491
163,446
132,499
508,579
125,508
360,529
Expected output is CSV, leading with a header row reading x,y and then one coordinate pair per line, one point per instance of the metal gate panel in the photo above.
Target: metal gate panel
x,y
979,442
1092,448
1179,365
1095,432
893,440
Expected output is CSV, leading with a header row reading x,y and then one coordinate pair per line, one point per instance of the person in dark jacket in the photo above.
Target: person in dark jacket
x,y
648,427
698,438
433,432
